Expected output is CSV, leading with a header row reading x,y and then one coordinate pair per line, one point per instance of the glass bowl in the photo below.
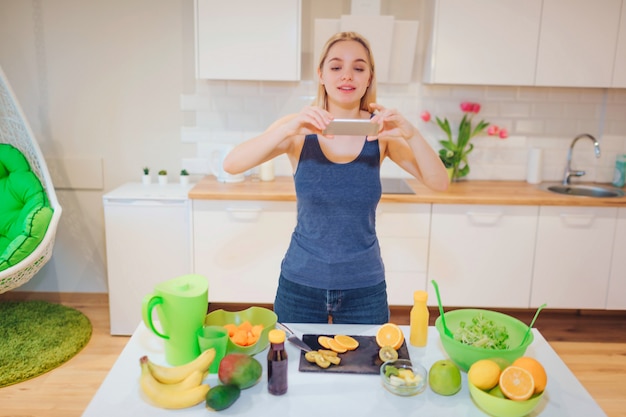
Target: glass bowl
x,y
393,381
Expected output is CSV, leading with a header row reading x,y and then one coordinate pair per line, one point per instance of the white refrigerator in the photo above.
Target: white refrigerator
x,y
148,240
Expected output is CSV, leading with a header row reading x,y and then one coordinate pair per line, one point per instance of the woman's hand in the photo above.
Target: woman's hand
x,y
391,123
309,120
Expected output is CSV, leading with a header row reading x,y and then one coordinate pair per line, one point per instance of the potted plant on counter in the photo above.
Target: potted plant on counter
x,y
184,177
454,151
162,177
146,179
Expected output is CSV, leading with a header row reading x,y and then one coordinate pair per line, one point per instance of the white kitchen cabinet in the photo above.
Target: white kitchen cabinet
x,y
577,43
619,71
239,246
573,256
403,232
148,241
248,39
616,295
492,42
482,255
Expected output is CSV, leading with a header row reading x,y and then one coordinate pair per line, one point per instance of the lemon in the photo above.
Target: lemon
x,y
484,374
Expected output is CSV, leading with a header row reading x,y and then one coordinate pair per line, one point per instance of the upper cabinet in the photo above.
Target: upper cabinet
x,y
248,39
483,42
577,43
571,43
619,72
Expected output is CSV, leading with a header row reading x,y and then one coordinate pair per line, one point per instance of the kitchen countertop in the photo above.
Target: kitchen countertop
x,y
463,192
315,394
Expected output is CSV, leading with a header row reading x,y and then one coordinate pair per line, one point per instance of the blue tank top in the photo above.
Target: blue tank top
x,y
334,245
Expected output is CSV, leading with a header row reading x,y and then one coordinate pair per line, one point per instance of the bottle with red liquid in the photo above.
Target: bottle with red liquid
x,y
277,363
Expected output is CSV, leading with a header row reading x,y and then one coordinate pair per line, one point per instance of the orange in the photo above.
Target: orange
x,y
389,334
536,370
347,342
517,383
484,374
334,346
323,341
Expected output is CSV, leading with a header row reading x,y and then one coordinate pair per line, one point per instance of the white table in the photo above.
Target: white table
x,y
319,394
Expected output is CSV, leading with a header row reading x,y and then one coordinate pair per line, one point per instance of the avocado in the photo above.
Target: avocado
x,y
239,369
220,397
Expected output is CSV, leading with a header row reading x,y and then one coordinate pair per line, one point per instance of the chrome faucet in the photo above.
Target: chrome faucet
x,y
568,168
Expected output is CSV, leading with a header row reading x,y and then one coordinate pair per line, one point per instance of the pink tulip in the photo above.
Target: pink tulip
x,y
493,130
503,133
467,107
425,116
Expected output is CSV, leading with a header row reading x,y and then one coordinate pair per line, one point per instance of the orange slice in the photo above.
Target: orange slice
x,y
389,334
323,341
334,346
537,370
347,342
517,383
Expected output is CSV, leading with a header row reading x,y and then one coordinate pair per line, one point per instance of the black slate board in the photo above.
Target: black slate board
x,y
363,360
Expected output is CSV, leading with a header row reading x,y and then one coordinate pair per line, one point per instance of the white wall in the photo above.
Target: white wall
x,y
111,83
100,82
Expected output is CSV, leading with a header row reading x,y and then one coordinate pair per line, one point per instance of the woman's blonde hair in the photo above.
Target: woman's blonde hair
x,y
370,94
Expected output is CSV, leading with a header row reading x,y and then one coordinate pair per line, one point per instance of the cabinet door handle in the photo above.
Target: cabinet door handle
x,y
577,220
244,214
488,219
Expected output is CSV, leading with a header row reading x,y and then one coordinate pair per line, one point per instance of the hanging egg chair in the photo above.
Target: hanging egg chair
x,y
29,209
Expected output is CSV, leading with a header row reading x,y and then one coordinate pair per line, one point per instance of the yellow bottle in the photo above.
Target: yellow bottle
x,y
419,319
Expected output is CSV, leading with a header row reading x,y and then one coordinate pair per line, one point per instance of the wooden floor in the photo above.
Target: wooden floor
x,y
592,344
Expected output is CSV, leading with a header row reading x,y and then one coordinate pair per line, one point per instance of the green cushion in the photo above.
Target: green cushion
x,y
25,211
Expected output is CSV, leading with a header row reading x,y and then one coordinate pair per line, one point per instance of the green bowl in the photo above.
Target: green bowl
x,y
464,355
255,315
502,407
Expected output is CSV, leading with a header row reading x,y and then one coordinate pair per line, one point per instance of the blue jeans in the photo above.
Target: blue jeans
x,y
297,303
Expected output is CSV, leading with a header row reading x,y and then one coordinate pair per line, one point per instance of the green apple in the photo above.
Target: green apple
x,y
444,377
497,392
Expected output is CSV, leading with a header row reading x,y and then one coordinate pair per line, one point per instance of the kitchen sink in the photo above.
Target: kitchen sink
x,y
584,190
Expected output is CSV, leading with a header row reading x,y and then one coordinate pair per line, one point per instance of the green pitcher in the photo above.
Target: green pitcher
x,y
181,305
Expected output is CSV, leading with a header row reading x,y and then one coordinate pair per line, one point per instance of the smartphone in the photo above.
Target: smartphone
x,y
351,127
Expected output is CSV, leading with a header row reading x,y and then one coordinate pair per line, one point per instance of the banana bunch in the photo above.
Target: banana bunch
x,y
176,387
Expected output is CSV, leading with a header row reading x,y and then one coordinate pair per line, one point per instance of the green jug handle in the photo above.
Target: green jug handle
x,y
150,301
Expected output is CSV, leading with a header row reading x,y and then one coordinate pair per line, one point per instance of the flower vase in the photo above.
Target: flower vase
x,y
450,173
146,179
184,180
162,179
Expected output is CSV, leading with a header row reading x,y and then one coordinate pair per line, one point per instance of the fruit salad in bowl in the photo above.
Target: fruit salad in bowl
x,y
248,329
403,377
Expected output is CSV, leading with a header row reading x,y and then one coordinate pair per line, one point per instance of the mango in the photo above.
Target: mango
x,y
220,397
240,370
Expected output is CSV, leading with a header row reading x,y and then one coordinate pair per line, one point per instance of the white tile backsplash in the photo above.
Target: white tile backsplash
x,y
545,118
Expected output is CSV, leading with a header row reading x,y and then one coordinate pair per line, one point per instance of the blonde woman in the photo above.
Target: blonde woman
x,y
333,270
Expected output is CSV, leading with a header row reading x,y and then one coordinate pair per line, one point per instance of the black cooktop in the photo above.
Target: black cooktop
x,y
395,186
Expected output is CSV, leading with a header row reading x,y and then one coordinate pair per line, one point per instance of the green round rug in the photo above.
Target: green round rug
x,y
38,336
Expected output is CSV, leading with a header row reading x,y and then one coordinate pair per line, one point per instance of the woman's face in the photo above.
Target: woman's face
x,y
346,73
